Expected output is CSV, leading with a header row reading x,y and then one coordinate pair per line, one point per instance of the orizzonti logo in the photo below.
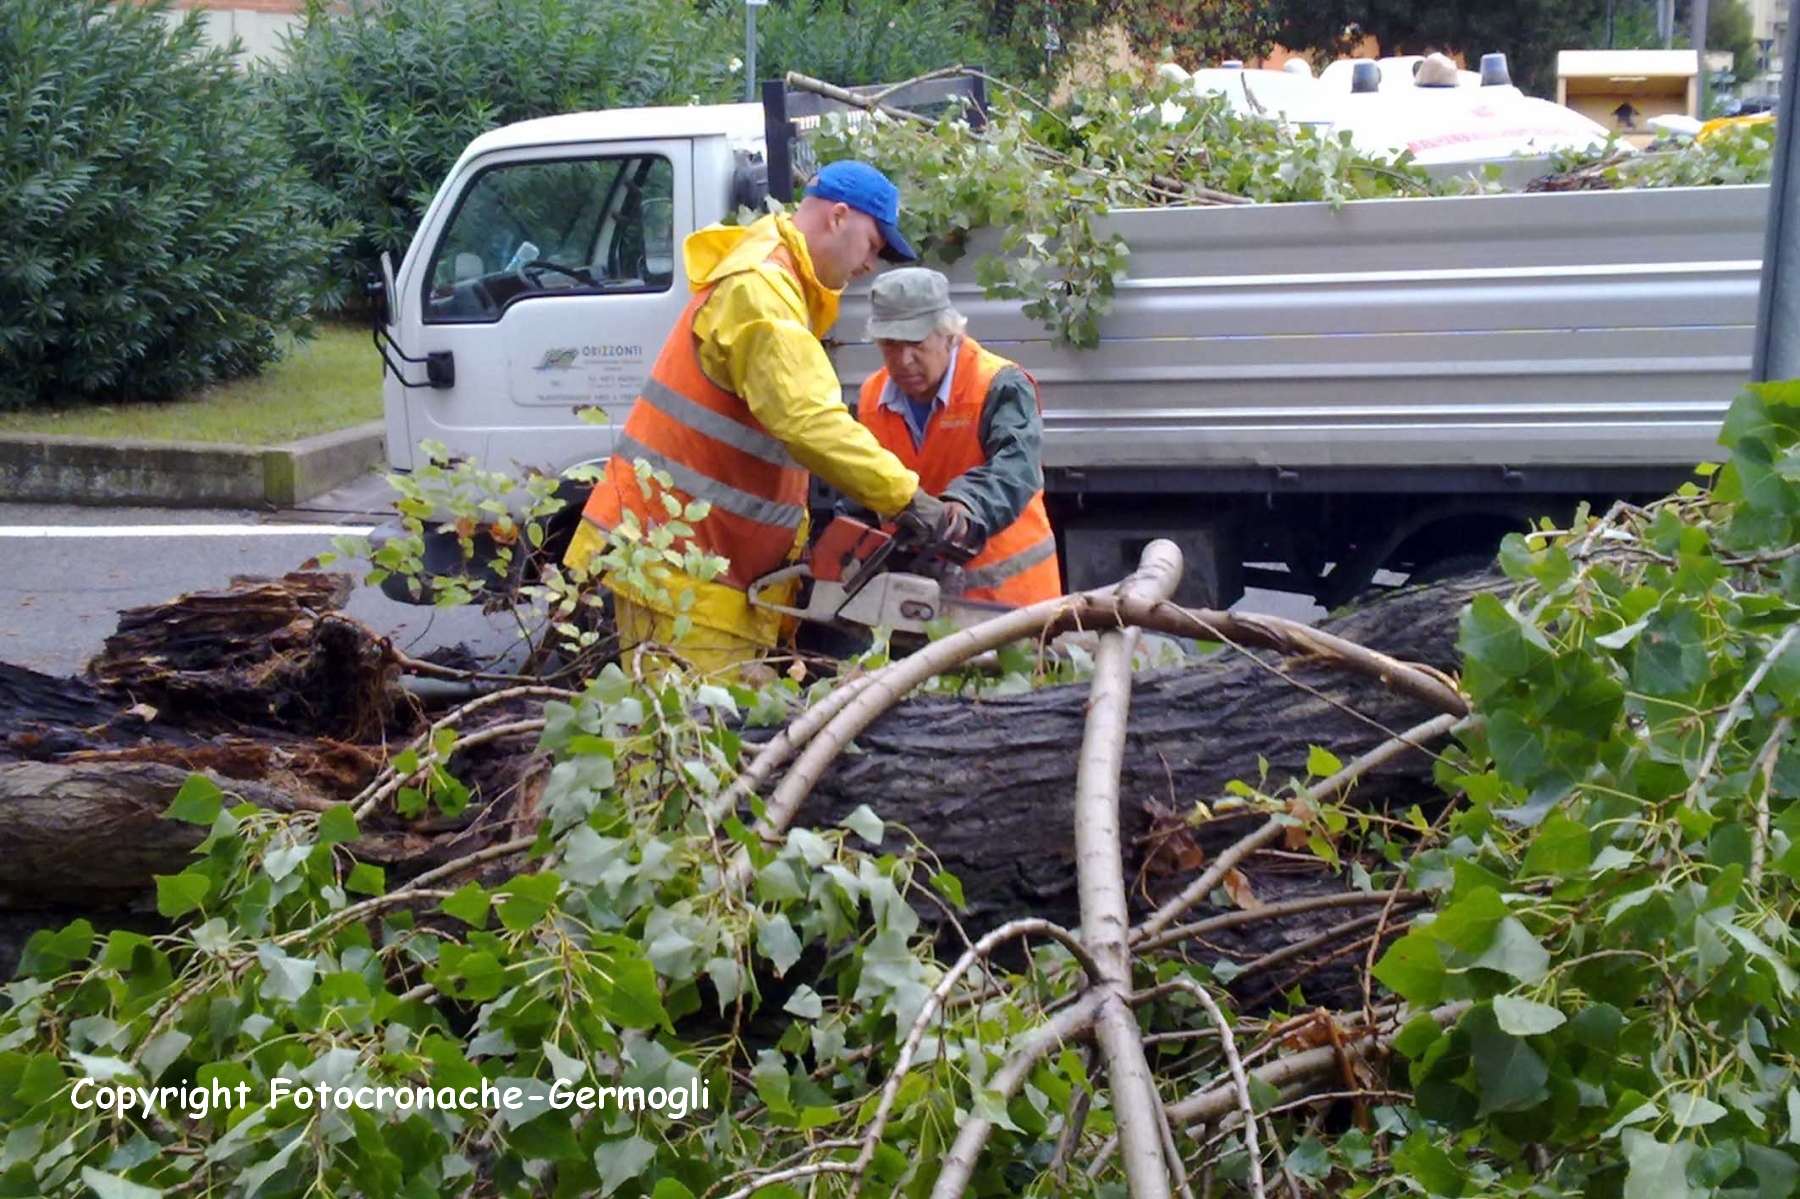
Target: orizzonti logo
x,y
561,358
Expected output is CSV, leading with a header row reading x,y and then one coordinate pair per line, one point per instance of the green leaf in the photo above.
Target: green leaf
x,y
1470,923
179,894
527,899
804,1003
778,942
1691,1109
366,879
468,904
1671,658
286,978
1516,952
1413,968
1431,1167
950,887
1560,849
1525,1017
1753,944
1500,639
1321,762
338,823
632,1000
111,1186
198,802
1509,1073
865,824
1658,1171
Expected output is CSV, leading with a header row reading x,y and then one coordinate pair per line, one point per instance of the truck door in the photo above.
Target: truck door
x,y
553,280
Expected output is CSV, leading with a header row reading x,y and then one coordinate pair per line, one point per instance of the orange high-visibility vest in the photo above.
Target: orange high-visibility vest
x,y
1018,564
713,449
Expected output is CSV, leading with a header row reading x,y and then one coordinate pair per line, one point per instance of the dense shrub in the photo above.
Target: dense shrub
x,y
151,236
851,42
377,99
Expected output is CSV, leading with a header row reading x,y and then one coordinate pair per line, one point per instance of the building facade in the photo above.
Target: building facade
x,y
257,24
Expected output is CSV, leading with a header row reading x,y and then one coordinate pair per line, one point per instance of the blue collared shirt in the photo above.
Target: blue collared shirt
x,y
917,413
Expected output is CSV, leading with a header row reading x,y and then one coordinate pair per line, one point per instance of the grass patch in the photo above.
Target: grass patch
x,y
332,382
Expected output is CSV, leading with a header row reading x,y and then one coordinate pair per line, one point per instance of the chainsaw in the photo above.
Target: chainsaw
x,y
858,577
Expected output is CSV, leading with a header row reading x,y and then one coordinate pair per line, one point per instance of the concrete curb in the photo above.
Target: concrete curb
x,y
184,474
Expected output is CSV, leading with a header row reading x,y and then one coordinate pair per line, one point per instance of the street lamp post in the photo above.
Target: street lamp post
x,y
1778,314
750,7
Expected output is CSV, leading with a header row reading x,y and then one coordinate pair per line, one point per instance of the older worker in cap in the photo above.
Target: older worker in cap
x,y
967,421
741,406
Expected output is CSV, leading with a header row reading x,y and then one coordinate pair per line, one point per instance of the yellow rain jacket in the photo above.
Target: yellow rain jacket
x,y
758,338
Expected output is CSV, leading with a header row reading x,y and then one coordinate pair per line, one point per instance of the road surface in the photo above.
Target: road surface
x,y
70,570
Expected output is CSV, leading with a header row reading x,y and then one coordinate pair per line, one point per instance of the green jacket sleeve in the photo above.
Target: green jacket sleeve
x,y
1012,437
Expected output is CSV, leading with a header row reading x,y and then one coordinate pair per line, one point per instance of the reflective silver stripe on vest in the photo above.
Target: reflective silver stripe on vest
x,y
701,419
1006,568
721,495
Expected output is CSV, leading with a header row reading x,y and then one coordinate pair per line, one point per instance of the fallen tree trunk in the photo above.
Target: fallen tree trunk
x,y
986,784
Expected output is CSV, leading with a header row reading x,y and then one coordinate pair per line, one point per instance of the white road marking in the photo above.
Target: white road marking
x,y
57,532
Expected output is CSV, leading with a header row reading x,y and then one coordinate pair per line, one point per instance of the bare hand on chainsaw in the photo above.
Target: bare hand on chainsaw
x,y
942,526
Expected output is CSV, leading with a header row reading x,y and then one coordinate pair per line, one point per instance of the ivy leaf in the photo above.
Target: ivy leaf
x,y
727,975
950,887
1524,1017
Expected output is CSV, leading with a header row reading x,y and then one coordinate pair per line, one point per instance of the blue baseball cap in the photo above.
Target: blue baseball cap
x,y
871,193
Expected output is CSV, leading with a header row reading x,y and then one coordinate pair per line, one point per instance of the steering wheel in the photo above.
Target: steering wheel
x,y
579,274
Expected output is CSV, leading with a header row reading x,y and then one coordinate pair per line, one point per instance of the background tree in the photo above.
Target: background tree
x,y
1729,26
377,99
1529,32
155,240
1196,34
852,42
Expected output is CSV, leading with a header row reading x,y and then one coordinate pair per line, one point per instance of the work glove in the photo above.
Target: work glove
x,y
944,526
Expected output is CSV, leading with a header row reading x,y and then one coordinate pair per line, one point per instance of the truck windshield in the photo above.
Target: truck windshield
x,y
554,228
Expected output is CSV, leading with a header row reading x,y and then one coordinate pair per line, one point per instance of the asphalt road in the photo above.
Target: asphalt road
x,y
71,570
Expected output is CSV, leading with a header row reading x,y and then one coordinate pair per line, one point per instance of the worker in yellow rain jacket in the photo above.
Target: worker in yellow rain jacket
x,y
742,404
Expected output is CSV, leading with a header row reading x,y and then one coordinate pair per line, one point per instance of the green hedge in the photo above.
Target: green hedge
x,y
153,237
379,98
853,42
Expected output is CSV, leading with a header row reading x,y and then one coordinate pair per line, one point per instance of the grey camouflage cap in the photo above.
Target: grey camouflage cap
x,y
904,305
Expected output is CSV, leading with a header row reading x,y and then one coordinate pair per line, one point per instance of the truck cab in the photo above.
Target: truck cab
x,y
546,274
